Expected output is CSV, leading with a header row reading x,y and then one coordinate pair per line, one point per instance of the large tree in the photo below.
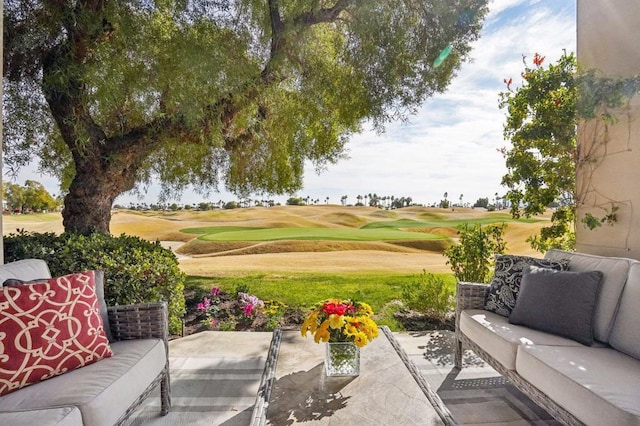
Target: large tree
x,y
112,94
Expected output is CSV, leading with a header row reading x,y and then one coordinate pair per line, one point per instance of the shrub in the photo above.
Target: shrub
x,y
472,259
225,311
430,294
136,271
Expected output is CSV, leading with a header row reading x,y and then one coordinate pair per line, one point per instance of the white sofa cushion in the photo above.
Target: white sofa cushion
x,y
599,386
500,339
625,335
615,271
102,391
62,416
25,270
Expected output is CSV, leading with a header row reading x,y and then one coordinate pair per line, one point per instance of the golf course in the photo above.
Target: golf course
x,y
327,239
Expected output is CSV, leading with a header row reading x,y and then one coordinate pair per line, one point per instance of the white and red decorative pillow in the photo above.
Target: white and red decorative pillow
x,y
49,328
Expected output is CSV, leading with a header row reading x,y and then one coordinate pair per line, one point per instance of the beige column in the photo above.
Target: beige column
x,y
608,41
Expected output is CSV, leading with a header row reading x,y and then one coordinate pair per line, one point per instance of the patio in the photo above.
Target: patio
x,y
215,378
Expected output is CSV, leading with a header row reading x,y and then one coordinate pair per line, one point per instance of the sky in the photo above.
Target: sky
x,y
451,144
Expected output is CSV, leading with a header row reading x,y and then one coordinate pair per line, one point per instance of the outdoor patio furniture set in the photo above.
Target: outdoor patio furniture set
x,y
571,339
131,357
580,362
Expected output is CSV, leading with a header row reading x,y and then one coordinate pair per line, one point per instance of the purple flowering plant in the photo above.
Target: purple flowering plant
x,y
225,311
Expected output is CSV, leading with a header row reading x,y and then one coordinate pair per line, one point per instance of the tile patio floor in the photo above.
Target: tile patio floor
x,y
216,375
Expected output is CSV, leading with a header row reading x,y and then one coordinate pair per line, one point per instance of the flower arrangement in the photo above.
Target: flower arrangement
x,y
337,320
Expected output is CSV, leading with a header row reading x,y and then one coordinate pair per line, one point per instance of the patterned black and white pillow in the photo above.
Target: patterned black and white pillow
x,y
505,285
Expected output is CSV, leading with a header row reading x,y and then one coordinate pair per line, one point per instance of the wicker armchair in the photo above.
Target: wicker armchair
x,y
144,321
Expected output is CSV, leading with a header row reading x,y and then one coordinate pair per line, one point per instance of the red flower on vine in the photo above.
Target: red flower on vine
x,y
537,59
508,82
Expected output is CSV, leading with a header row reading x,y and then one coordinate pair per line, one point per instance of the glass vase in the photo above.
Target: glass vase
x,y
342,359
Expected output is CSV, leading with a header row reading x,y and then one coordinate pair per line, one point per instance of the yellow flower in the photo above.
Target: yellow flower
x,y
311,324
322,334
336,321
369,327
350,328
366,308
361,340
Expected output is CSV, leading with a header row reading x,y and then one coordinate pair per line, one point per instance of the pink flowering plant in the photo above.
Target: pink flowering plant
x,y
224,311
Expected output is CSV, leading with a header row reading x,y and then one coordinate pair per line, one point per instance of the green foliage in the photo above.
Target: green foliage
x,y
128,95
542,118
541,125
471,259
592,222
430,294
560,234
135,270
482,202
231,205
295,201
32,196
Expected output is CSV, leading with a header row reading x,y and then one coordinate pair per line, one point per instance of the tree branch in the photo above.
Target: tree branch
x,y
324,15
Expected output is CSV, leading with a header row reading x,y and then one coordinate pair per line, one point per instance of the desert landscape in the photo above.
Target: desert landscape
x,y
301,239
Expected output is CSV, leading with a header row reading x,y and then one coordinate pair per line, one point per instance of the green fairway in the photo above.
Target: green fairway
x,y
216,229
338,234
410,223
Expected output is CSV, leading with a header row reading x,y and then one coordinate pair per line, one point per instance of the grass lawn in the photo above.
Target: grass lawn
x,y
303,291
326,234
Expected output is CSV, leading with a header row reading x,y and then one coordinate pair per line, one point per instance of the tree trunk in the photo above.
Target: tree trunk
x,y
87,206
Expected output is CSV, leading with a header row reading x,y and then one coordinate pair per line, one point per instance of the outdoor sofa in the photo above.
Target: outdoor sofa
x,y
105,392
577,383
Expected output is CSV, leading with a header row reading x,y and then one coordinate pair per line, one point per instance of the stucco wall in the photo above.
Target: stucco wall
x,y
609,41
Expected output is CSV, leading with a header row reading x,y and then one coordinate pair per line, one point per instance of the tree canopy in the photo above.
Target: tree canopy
x,y
112,94
32,196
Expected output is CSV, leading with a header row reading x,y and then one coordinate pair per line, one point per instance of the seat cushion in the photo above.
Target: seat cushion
x,y
500,339
599,386
62,416
25,270
614,271
102,391
625,335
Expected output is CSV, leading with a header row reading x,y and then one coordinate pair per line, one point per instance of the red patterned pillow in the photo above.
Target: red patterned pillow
x,y
49,328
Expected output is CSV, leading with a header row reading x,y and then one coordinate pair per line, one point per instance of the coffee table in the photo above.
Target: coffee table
x,y
388,391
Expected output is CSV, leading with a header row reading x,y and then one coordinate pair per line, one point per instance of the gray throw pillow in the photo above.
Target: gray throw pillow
x,y
558,302
505,285
103,304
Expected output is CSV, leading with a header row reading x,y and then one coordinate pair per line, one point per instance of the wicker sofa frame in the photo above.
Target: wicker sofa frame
x,y
472,296
144,321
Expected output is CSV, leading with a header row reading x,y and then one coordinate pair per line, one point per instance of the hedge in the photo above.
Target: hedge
x,y
136,270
